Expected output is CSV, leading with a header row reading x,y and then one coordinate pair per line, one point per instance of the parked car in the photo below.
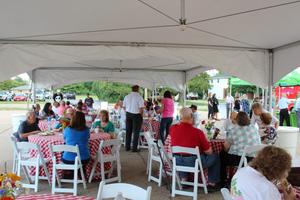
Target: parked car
x,y
20,97
69,95
38,96
5,96
48,95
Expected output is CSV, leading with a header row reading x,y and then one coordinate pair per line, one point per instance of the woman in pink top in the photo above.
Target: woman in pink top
x,y
61,109
167,110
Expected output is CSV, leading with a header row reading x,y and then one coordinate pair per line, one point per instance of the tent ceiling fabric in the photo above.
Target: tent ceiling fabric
x,y
254,24
187,61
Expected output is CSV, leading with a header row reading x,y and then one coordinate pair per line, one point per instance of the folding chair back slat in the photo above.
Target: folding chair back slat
x,y
249,150
128,191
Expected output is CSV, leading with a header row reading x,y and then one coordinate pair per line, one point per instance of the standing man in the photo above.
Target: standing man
x,y
89,101
229,102
283,105
134,106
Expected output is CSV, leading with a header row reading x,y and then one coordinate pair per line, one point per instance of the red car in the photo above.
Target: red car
x,y
20,97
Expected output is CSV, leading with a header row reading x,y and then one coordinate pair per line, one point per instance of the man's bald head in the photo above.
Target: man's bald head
x,y
186,115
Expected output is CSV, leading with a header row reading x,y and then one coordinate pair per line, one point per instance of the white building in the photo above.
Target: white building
x,y
219,84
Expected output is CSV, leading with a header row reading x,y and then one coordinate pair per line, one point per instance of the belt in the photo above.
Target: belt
x,y
184,155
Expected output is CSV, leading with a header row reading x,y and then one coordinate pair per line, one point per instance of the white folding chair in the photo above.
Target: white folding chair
x,y
25,161
122,136
195,170
102,158
62,166
142,141
249,150
15,154
226,194
128,191
166,157
153,155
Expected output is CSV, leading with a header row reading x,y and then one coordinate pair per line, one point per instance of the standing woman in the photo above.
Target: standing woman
x,y
210,106
167,110
215,108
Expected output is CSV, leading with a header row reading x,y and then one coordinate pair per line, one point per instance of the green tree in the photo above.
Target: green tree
x,y
9,84
111,92
78,88
243,89
199,84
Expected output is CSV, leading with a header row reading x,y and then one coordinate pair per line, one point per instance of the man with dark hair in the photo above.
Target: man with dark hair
x,y
89,101
196,116
134,106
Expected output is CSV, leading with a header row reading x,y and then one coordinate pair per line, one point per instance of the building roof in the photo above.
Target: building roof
x,y
22,87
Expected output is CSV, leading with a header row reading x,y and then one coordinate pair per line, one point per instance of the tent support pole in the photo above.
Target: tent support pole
x,y
33,87
184,89
270,88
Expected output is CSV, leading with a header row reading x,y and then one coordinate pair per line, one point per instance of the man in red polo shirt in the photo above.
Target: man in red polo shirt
x,y
185,135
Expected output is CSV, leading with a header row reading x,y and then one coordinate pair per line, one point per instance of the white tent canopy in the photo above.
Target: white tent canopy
x,y
142,40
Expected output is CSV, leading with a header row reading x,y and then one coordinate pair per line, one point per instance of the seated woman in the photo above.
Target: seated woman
x,y
77,134
264,177
47,111
104,124
148,111
28,127
267,130
241,135
229,123
36,108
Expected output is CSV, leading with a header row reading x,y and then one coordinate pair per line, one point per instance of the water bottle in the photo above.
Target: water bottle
x,y
119,196
49,123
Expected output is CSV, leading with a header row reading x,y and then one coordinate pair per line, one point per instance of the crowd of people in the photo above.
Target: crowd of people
x,y
245,126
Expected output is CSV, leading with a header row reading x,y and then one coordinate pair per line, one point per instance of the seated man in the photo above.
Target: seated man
x,y
28,127
185,135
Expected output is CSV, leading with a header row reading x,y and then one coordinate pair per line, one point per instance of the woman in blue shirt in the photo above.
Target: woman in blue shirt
x,y
77,134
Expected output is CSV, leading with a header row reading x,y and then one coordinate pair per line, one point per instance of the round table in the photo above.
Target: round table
x,y
57,139
53,197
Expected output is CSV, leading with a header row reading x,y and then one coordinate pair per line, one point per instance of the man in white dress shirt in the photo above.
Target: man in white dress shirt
x,y
134,106
283,105
229,102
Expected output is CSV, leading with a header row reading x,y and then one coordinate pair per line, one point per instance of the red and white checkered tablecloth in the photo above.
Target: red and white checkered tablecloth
x,y
155,126
43,124
53,197
57,139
